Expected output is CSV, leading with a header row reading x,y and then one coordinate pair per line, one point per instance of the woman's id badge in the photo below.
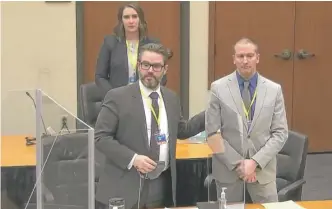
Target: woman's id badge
x,y
132,78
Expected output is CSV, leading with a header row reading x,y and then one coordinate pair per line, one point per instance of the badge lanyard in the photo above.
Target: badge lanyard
x,y
152,110
246,111
132,56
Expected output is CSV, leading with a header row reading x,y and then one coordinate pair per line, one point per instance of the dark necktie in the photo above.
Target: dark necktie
x,y
154,147
246,98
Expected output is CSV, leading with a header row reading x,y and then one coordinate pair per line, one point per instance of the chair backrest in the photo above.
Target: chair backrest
x,y
291,160
66,171
90,100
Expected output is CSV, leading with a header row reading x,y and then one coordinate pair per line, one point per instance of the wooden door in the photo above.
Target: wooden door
x,y
312,98
163,19
270,25
285,25
99,19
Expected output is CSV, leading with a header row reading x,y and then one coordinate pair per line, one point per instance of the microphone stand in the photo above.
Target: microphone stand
x,y
31,140
64,124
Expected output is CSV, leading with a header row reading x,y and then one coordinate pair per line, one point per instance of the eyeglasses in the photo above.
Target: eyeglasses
x,y
155,67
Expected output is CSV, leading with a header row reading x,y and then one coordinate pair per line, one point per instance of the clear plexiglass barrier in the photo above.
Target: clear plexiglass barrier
x,y
224,130
47,153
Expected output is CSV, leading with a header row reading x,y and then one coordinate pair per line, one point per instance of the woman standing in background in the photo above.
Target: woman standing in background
x,y
116,63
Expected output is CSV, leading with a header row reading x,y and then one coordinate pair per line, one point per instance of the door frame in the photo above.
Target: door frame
x,y
184,55
211,43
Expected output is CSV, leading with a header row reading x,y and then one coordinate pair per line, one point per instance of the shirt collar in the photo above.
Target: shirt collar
x,y
252,80
146,91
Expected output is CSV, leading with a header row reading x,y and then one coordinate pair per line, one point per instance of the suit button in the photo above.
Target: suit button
x,y
248,137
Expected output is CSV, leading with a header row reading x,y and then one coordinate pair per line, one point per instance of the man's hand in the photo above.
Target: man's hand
x,y
144,164
251,178
246,167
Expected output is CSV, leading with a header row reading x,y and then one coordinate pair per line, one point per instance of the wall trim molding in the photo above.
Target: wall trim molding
x,y
79,53
211,43
184,56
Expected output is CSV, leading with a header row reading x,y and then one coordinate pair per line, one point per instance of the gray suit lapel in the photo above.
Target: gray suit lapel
x,y
172,115
171,112
139,109
261,94
233,86
124,59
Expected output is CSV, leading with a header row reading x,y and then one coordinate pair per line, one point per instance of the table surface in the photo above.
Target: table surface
x,y
324,204
15,153
317,204
187,150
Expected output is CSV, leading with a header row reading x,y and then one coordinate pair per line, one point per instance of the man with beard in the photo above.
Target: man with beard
x,y
137,129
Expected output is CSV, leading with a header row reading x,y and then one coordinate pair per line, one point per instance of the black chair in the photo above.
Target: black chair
x,y
65,173
291,162
91,98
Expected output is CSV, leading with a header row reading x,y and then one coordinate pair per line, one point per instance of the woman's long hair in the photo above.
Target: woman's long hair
x,y
119,30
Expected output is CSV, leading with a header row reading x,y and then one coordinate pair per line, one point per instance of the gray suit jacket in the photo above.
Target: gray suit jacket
x,y
112,63
121,131
263,140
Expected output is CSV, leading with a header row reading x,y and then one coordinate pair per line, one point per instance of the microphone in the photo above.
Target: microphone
x,y
34,103
152,175
142,178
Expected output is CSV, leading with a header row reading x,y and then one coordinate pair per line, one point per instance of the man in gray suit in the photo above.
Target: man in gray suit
x,y
247,112
137,129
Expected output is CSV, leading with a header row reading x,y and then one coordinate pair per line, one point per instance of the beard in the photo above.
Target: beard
x,y
150,81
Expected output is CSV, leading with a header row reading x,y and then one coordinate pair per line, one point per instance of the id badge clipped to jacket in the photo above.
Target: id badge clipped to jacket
x,y
160,138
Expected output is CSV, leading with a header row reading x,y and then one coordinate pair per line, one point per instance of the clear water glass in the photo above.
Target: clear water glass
x,y
116,203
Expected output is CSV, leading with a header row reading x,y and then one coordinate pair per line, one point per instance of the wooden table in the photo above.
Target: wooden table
x,y
191,162
14,152
317,204
187,150
323,204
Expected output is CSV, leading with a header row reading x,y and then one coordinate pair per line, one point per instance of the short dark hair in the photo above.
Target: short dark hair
x,y
246,40
142,26
157,48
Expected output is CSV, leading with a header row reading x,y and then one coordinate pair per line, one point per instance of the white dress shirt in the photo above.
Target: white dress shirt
x,y
163,154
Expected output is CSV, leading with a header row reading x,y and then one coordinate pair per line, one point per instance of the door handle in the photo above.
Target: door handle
x,y
286,54
302,54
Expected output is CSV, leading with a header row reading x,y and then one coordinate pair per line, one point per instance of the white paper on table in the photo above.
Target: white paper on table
x,y
284,205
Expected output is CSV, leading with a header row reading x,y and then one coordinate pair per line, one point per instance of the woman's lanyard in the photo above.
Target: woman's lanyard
x,y
132,54
152,110
247,111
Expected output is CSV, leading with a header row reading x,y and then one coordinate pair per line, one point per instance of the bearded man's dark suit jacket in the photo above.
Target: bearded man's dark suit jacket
x,y
121,131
